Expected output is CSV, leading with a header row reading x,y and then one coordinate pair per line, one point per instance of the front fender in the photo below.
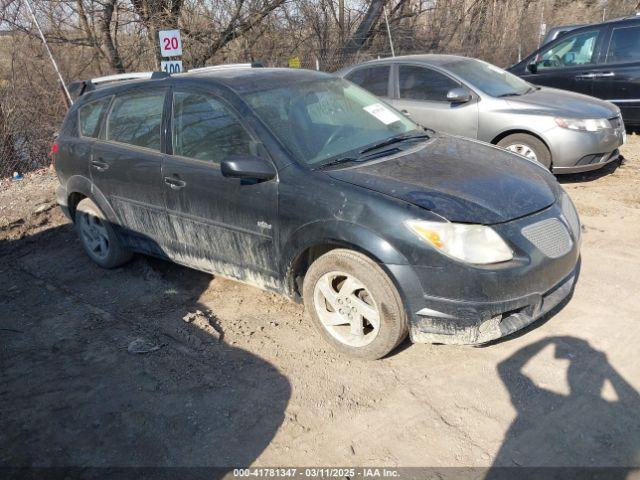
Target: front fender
x,y
338,232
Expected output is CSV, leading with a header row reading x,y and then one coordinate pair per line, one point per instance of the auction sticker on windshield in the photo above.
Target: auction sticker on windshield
x,y
382,113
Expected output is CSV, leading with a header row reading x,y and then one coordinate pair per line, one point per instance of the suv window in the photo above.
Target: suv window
x,y
572,51
419,83
374,79
204,129
89,117
136,119
624,45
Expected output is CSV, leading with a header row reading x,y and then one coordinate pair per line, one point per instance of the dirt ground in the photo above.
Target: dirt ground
x,y
244,380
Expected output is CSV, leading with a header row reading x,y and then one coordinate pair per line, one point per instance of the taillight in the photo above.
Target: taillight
x,y
54,150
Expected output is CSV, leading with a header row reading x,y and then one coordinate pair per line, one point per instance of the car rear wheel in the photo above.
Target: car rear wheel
x,y
528,146
97,236
354,304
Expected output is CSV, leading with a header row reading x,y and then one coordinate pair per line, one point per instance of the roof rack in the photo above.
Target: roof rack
x,y
80,87
227,66
121,77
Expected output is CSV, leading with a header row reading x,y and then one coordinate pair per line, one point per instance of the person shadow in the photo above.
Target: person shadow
x,y
595,424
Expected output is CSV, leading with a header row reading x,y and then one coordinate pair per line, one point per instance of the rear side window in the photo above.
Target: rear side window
x,y
89,116
205,129
624,45
419,83
136,119
373,79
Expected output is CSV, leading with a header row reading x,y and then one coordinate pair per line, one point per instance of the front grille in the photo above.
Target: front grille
x,y
550,236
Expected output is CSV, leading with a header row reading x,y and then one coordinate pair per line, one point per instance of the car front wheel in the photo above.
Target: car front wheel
x,y
354,304
528,146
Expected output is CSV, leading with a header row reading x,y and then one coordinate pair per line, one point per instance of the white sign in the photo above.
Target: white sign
x,y
170,43
382,113
171,66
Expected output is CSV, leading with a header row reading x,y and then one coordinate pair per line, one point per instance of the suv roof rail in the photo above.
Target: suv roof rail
x,y
78,88
226,66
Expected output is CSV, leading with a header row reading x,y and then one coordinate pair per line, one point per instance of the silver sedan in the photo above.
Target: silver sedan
x,y
565,131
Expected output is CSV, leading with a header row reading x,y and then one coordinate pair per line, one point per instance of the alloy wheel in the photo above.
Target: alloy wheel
x,y
524,150
94,234
346,309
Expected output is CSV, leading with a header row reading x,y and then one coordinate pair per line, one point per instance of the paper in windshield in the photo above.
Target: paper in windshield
x,y
382,113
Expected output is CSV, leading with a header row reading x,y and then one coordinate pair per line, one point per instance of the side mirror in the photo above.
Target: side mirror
x,y
533,67
458,95
247,167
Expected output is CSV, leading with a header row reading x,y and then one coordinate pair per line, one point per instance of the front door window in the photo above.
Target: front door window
x,y
573,51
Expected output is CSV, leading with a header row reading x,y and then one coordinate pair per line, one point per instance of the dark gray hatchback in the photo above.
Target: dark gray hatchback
x,y
306,185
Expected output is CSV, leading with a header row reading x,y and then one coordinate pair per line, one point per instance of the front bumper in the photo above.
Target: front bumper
x,y
517,314
578,151
466,304
590,162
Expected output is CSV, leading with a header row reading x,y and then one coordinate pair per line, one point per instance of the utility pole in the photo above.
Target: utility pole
x,y
67,97
341,19
386,20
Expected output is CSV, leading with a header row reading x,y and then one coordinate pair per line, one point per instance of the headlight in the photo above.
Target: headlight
x,y
584,124
475,244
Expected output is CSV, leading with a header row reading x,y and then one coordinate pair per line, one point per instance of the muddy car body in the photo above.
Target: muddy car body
x,y
311,187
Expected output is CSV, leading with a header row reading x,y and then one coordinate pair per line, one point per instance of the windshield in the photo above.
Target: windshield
x,y
321,120
490,79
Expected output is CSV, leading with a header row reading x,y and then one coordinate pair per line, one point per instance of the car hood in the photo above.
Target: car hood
x,y
459,179
565,104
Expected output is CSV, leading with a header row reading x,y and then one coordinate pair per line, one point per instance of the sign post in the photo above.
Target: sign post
x,y
170,46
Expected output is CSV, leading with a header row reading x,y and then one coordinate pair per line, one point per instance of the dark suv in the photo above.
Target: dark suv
x,y
602,60
307,185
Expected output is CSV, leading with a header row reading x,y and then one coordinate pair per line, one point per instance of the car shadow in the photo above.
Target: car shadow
x,y
101,371
594,424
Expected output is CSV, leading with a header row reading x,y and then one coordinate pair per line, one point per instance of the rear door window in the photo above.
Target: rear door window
x,y
373,79
419,83
205,129
624,45
136,119
89,116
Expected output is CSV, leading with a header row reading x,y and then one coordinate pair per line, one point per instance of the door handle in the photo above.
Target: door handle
x,y
175,183
405,113
99,165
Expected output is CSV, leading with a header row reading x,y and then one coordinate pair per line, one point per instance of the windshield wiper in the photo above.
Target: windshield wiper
x,y
392,140
337,161
510,94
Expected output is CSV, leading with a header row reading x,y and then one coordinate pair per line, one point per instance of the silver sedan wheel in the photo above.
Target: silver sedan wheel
x,y
94,234
522,149
346,309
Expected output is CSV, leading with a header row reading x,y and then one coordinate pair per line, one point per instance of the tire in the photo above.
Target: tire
x,y
370,298
98,237
517,140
